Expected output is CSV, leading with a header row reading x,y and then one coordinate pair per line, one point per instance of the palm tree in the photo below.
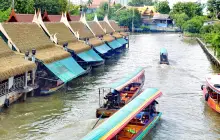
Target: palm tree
x,y
90,2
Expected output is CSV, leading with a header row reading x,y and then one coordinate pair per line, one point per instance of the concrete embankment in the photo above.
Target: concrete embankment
x,y
210,55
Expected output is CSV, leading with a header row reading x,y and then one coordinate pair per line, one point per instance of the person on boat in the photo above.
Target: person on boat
x,y
153,108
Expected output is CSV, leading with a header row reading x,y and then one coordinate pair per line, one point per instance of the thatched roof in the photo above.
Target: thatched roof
x,y
117,35
12,64
108,38
62,32
115,26
124,33
82,29
78,47
95,42
97,30
28,36
106,26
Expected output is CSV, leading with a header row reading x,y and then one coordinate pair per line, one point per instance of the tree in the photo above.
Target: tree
x,y
191,9
74,9
52,6
163,7
24,6
89,2
4,14
193,25
213,6
140,2
5,4
180,19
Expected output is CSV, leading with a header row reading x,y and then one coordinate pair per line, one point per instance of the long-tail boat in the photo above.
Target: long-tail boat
x,y
164,56
133,121
116,95
211,91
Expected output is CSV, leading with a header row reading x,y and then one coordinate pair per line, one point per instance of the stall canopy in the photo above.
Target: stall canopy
x,y
66,69
115,44
122,41
90,56
102,48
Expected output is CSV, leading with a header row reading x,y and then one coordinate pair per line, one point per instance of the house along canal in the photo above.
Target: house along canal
x,y
71,114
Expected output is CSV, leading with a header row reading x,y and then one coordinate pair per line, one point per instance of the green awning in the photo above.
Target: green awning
x,y
102,49
122,41
115,44
65,69
90,56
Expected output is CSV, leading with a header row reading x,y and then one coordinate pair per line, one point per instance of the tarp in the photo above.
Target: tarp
x,y
115,44
102,49
126,79
122,41
90,56
65,69
163,50
109,128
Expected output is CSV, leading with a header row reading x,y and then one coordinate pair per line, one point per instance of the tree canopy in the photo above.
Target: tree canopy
x,y
163,7
141,2
213,6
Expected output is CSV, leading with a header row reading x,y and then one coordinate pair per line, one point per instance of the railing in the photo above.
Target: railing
x,y
18,83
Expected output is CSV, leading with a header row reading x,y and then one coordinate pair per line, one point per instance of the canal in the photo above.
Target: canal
x,y
71,114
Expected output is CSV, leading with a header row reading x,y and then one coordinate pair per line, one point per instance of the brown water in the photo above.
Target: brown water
x,y
70,115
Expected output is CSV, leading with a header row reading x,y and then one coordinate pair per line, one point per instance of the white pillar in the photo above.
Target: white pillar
x,y
26,73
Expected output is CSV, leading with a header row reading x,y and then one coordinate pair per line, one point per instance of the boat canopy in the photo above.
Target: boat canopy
x,y
122,41
109,128
102,48
163,51
213,82
115,44
90,56
118,85
66,69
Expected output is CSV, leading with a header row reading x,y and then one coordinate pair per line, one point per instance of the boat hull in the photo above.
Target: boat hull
x,y
51,90
211,102
13,97
148,127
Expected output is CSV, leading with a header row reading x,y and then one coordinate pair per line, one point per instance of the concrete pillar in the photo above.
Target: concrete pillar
x,y
25,77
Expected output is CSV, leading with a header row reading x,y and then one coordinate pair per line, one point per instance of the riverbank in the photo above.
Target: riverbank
x,y
209,53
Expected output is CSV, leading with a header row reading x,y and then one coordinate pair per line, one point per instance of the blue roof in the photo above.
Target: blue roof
x,y
90,56
102,48
115,44
124,115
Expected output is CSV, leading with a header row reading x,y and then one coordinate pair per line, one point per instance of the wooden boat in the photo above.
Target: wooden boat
x,y
133,121
120,93
211,92
164,56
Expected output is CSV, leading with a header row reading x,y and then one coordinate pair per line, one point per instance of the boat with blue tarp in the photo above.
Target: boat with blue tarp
x,y
133,121
113,97
164,56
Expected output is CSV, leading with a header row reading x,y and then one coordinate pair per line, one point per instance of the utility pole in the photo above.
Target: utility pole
x,y
133,21
13,4
109,6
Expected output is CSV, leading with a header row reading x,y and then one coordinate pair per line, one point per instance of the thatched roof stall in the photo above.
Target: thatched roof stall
x,y
117,28
97,30
57,18
28,36
84,32
12,64
106,27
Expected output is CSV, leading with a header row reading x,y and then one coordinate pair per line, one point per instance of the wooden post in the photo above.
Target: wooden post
x,y
33,71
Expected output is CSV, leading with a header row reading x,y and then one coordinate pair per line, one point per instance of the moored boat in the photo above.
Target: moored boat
x,y
133,121
211,92
116,95
164,56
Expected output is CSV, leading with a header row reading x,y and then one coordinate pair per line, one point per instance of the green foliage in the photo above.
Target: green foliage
x,y
193,25
191,9
5,4
141,2
52,6
124,18
213,6
74,9
24,6
180,19
145,28
89,2
4,14
163,7
216,40
207,29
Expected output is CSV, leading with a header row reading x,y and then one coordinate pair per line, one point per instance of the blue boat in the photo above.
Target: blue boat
x,y
132,122
164,56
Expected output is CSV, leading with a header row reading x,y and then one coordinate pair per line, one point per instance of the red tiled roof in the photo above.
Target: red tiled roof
x,y
20,17
55,18
75,18
97,3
